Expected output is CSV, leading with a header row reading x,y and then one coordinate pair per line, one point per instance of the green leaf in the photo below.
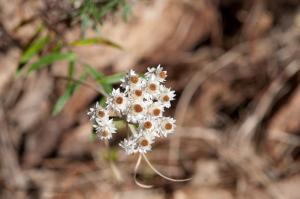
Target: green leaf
x,y
58,46
113,79
35,47
93,72
126,11
107,87
102,101
71,70
99,77
60,103
105,9
51,58
63,100
96,41
71,88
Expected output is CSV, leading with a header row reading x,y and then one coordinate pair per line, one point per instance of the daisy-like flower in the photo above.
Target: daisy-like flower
x,y
129,145
136,111
156,74
167,126
138,94
156,109
105,129
98,112
132,81
166,96
117,102
144,142
140,102
152,88
149,125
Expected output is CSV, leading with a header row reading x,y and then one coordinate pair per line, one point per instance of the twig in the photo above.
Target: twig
x,y
188,93
213,135
207,134
10,170
284,137
246,132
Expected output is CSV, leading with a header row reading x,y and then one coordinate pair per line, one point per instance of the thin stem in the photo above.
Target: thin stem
x,y
135,174
113,166
133,130
162,175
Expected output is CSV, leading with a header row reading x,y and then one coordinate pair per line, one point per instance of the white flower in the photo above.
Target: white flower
x,y
167,126
129,145
138,95
144,142
166,96
152,88
149,125
105,129
117,102
132,80
141,102
156,109
98,113
156,74
136,111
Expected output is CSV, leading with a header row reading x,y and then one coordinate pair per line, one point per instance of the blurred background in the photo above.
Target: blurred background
x,y
235,68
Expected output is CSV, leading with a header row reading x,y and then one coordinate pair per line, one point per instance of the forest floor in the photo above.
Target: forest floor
x,y
234,64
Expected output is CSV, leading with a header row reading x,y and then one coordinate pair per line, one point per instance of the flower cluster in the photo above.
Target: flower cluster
x,y
141,101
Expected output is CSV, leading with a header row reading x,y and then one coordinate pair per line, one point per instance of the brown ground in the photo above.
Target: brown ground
x,y
236,71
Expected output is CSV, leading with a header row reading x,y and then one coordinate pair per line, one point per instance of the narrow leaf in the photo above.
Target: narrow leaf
x,y
63,100
93,72
35,47
126,11
99,77
51,58
113,79
71,88
96,41
71,71
103,101
107,87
